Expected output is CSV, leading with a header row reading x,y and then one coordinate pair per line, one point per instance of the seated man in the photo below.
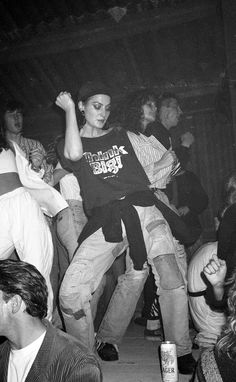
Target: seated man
x,y
34,349
218,363
207,320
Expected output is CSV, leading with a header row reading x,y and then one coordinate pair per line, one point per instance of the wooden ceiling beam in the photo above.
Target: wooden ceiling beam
x,y
103,32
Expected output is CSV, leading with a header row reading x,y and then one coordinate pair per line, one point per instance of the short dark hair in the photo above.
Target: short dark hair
x,y
12,105
23,279
165,100
9,105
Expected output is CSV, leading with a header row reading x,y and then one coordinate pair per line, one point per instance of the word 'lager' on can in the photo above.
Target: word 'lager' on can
x,y
169,365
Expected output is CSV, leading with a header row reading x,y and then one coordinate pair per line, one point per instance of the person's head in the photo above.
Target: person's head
x,y
94,103
169,111
140,110
12,117
22,288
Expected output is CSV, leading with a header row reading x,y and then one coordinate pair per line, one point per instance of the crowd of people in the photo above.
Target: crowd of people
x,y
125,192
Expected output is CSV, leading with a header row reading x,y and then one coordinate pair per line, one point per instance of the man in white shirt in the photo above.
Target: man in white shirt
x,y
34,349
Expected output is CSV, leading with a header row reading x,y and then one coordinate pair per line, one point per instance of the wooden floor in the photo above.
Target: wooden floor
x,y
138,360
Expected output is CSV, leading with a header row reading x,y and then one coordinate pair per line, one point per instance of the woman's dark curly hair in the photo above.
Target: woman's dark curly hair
x,y
132,111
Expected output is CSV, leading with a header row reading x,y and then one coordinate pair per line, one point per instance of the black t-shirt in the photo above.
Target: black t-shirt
x,y
108,169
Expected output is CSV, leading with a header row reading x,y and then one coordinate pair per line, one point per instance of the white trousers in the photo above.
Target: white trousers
x,y
24,227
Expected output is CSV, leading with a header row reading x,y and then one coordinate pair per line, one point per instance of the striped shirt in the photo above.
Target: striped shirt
x,y
149,150
27,145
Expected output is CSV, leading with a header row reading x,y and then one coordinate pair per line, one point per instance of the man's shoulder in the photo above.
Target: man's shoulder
x,y
68,356
67,339
66,343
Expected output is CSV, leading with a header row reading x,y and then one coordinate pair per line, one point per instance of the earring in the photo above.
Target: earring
x,y
83,120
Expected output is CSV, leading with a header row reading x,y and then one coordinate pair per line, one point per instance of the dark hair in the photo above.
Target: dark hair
x,y
3,142
165,100
10,105
131,110
23,279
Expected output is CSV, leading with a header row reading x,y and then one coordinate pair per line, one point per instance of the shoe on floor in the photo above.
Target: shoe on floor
x,y
153,335
107,352
186,364
140,321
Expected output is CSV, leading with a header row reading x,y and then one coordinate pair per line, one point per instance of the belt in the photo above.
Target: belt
x,y
197,294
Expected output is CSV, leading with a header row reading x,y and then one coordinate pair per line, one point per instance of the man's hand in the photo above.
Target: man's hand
x,y
168,158
36,157
65,101
187,139
215,271
183,210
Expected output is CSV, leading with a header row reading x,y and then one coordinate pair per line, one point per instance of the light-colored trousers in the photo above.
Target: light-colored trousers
x,y
95,256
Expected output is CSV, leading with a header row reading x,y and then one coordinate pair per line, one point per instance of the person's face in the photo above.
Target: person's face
x,y
172,113
149,111
97,110
13,121
4,315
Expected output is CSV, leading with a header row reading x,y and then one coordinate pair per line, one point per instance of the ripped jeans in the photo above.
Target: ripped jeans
x,y
95,256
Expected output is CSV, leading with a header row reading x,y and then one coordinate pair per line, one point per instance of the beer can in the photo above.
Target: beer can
x,y
169,366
